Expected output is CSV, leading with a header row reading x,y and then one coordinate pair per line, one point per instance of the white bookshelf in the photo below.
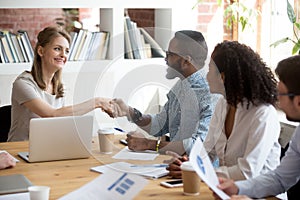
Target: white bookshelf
x,y
82,78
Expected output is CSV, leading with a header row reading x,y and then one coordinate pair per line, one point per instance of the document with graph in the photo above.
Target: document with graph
x,y
109,186
204,168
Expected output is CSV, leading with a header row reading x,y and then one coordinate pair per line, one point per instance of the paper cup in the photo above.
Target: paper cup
x,y
106,140
191,181
39,192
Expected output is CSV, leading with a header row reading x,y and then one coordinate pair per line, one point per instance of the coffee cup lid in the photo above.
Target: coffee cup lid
x,y
106,131
187,166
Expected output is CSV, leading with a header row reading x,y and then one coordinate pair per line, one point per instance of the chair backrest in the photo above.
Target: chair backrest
x,y
286,133
5,117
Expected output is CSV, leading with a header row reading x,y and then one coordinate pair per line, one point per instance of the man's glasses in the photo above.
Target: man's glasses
x,y
170,53
287,94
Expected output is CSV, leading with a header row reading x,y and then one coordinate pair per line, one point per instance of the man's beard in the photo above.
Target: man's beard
x,y
173,73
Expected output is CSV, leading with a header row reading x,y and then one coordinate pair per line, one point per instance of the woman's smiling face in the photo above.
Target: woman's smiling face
x,y
54,55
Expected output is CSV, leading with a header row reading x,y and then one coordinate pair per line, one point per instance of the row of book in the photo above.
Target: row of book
x,y
138,42
87,45
15,47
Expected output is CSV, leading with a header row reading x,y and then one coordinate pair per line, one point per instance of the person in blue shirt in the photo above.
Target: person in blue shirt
x,y
187,113
287,173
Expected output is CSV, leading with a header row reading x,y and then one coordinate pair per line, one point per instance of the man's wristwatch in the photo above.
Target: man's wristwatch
x,y
137,115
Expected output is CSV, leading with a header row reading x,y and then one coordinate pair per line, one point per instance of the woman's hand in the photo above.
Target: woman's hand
x,y
105,105
175,163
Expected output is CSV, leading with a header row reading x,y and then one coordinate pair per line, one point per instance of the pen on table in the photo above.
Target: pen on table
x,y
151,165
120,130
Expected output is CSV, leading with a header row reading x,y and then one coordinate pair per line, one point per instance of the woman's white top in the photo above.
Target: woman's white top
x,y
252,148
24,90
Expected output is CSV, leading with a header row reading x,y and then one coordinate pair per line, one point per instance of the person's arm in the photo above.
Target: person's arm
x,y
196,112
27,93
138,142
121,109
278,181
6,160
43,109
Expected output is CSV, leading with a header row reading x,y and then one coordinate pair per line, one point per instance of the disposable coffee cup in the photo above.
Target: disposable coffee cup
x,y
106,140
191,181
39,192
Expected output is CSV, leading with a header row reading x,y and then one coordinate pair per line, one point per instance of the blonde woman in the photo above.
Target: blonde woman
x,y
40,92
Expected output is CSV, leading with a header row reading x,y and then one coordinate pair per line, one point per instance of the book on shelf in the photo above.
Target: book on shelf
x,y
19,40
17,47
81,39
85,46
89,45
132,38
9,47
74,36
6,49
26,44
139,43
106,45
3,56
156,50
128,49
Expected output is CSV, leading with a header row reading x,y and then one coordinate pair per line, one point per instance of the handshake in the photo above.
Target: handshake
x,y
114,107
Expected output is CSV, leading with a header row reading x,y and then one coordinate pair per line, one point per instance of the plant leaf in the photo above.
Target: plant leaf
x,y
243,22
297,25
283,40
290,12
296,48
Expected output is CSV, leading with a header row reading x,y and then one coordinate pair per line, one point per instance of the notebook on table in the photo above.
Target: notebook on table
x,y
13,184
59,138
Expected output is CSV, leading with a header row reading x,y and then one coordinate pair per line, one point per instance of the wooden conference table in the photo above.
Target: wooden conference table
x,y
68,175
65,176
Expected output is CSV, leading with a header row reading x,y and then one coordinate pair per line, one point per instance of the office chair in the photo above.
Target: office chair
x,y
5,117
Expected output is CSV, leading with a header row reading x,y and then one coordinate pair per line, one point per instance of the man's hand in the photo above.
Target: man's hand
x,y
175,163
6,160
120,108
228,186
137,142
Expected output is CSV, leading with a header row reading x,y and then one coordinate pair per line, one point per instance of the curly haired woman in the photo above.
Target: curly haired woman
x,y
244,129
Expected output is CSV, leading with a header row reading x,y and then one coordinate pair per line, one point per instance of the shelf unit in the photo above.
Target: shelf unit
x,y
82,78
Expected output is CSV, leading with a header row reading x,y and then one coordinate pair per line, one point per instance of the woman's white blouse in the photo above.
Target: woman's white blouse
x,y
252,148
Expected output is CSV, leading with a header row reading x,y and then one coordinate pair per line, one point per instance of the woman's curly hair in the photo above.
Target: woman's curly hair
x,y
246,76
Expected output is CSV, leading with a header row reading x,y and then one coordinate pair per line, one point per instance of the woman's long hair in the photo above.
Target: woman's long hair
x,y
44,37
246,76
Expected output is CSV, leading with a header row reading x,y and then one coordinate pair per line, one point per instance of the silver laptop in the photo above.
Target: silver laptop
x,y
59,138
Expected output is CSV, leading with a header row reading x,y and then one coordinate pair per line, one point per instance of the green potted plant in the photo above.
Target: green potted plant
x,y
236,11
296,29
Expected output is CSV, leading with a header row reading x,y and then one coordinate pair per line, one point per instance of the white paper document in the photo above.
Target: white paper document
x,y
109,186
150,171
204,168
127,154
